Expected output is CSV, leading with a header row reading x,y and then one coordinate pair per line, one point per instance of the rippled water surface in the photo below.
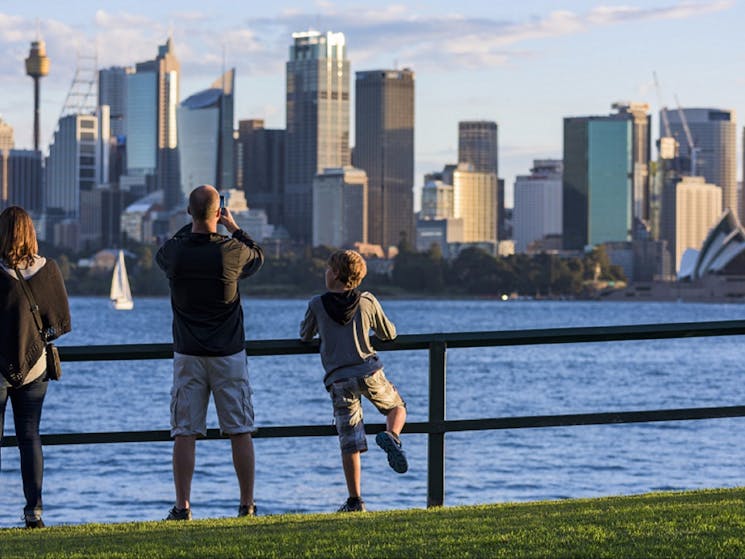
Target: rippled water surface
x,y
118,482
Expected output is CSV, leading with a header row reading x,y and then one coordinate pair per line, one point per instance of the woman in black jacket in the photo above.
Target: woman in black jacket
x,y
22,349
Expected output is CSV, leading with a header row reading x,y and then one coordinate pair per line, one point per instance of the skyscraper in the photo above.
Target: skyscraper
x,y
714,139
596,185
477,145
112,91
6,144
690,208
537,211
340,207
152,140
7,141
205,136
21,179
317,112
384,148
638,114
261,167
475,201
72,165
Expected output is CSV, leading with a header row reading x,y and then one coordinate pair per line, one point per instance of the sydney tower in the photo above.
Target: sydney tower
x,y
37,66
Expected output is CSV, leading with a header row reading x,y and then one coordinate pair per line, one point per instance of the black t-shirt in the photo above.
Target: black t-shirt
x,y
203,270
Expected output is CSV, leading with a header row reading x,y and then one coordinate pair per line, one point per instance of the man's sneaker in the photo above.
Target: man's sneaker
x,y
33,521
178,514
392,446
353,504
247,510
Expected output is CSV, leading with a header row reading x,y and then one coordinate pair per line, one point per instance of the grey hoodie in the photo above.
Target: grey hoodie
x,y
345,349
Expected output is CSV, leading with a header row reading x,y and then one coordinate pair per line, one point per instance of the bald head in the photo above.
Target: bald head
x,y
204,203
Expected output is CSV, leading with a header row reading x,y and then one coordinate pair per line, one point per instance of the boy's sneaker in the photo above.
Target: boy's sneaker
x,y
178,514
33,521
247,510
392,446
353,504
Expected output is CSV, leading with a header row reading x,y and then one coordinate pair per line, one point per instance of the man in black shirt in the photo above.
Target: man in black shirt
x,y
203,270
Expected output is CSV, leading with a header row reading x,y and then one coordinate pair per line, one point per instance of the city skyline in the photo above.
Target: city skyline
x,y
525,67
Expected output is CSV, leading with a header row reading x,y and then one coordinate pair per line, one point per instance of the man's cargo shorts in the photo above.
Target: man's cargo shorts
x,y
226,378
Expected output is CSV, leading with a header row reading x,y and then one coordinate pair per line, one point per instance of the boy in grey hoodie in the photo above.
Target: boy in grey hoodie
x,y
343,318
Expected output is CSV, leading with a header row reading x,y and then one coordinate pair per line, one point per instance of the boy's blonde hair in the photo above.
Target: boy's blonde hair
x,y
349,267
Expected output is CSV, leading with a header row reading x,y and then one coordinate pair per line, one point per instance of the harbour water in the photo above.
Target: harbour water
x,y
122,482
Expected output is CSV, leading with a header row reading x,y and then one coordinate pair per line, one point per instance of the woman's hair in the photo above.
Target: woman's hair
x,y
349,267
18,244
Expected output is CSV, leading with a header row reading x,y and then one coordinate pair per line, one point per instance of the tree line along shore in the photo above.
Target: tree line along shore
x,y
473,272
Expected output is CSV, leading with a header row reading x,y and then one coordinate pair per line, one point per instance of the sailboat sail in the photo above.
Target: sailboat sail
x,y
121,296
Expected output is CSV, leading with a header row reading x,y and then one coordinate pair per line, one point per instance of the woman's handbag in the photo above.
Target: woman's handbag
x,y
54,368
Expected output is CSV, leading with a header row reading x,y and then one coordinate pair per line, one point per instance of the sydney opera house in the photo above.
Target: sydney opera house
x,y
714,272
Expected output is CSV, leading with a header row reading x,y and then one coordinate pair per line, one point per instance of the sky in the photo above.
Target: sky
x,y
525,65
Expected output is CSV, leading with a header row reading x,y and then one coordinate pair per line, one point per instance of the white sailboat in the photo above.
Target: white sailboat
x,y
121,296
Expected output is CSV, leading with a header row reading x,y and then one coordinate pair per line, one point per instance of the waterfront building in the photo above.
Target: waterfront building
x,y
475,202
205,136
340,207
690,207
537,212
641,129
152,139
112,91
444,232
711,151
317,113
722,252
597,181
384,149
260,167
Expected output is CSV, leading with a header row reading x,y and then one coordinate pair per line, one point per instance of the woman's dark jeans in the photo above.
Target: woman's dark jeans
x,y
27,401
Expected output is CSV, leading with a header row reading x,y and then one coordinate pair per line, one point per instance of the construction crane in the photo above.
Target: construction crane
x,y
689,138
667,145
663,108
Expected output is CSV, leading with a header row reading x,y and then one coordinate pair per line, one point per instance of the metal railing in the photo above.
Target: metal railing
x,y
437,425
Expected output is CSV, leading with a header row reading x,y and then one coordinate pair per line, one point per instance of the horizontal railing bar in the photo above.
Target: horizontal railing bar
x,y
448,426
422,341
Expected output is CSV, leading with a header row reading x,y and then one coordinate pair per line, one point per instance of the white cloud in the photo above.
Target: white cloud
x,y
426,41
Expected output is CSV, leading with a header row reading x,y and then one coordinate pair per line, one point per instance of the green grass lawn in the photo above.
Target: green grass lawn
x,y
690,524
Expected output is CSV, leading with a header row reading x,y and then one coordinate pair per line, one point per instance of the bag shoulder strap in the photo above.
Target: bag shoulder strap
x,y
32,303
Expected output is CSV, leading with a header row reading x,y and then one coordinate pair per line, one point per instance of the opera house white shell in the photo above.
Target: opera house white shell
x,y
722,252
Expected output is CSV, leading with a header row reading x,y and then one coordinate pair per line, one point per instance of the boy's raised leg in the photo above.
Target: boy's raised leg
x,y
395,420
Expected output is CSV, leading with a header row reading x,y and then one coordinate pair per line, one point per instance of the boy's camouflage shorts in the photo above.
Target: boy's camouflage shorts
x,y
346,397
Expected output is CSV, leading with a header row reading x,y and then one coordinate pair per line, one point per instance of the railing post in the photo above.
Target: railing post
x,y
436,441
